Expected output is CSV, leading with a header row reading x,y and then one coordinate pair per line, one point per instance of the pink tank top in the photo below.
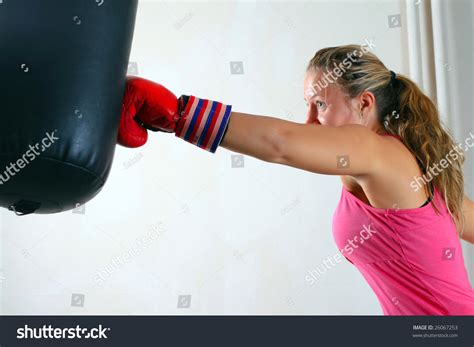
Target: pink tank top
x,y
411,258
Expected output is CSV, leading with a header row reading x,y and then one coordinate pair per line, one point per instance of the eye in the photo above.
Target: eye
x,y
320,104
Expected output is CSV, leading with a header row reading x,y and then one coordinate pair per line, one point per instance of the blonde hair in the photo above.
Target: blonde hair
x,y
403,110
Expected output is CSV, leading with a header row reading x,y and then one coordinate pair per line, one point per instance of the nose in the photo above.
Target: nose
x,y
312,115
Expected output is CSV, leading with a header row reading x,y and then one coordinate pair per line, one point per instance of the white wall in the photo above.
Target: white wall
x,y
238,240
454,52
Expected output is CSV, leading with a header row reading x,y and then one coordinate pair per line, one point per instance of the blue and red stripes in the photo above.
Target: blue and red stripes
x,y
203,123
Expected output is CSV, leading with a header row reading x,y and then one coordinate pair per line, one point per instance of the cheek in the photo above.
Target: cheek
x,y
336,115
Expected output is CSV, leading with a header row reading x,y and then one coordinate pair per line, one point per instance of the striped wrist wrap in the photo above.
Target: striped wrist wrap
x,y
202,122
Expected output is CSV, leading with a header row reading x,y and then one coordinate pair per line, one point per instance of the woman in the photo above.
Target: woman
x,y
382,136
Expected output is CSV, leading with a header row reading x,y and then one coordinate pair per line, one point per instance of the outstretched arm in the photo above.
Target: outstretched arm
x,y
344,150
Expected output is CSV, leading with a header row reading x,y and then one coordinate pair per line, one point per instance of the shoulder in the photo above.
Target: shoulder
x,y
333,150
390,180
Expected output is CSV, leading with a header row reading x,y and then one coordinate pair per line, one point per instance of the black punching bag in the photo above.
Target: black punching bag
x,y
63,65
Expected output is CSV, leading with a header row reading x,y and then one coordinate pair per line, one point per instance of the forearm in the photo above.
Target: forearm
x,y
205,123
256,136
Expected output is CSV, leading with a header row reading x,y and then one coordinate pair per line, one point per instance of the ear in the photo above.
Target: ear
x,y
367,101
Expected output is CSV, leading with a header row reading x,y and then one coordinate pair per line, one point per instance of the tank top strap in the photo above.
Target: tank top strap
x,y
396,136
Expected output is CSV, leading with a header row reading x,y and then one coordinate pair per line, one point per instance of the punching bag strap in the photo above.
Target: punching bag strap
x,y
24,207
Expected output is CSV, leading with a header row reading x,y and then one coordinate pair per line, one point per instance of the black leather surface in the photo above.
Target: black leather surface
x,y
63,65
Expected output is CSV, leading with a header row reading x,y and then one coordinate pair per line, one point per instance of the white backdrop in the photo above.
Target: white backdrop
x,y
177,230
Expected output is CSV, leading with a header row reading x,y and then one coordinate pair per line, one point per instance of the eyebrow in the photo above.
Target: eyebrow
x,y
315,95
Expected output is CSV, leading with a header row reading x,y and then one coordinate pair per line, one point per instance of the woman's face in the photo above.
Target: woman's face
x,y
329,105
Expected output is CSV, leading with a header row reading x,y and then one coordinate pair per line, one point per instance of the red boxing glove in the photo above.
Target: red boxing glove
x,y
146,105
149,105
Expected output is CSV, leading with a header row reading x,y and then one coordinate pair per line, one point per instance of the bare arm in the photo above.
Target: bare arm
x,y
314,148
344,150
468,209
